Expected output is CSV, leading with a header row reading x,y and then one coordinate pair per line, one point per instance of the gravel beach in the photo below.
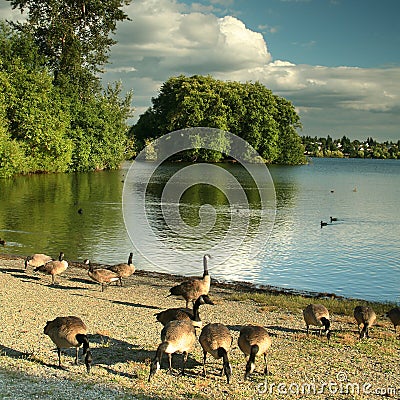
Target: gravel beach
x,y
124,335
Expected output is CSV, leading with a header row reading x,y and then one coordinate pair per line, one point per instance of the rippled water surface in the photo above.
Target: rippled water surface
x,y
357,255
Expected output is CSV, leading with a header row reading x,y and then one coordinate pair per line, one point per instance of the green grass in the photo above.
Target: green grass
x,y
294,303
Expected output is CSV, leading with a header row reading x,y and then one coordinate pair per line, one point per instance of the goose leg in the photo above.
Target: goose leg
x,y
185,357
204,363
59,357
170,362
76,356
266,366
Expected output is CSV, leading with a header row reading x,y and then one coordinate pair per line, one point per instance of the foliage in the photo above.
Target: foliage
x,y
98,130
34,122
370,148
249,110
11,153
54,116
72,35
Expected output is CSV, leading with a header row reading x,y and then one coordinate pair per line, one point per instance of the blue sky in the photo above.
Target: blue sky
x,y
338,61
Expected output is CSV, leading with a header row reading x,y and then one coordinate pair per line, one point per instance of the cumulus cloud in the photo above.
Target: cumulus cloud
x,y
165,38
162,39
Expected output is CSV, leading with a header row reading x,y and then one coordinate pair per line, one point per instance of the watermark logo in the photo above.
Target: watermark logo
x,y
340,385
176,212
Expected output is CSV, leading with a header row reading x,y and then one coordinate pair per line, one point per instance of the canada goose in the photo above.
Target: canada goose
x,y
323,224
317,314
176,336
394,316
2,242
254,340
101,275
185,313
333,219
366,316
37,260
124,270
217,340
53,268
67,332
191,289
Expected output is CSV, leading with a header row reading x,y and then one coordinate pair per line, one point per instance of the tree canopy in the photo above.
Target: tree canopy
x,y
73,35
54,115
250,110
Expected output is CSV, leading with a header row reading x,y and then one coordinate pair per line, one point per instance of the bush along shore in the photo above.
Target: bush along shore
x,y
124,334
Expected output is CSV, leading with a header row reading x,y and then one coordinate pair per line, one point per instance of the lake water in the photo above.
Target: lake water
x,y
356,256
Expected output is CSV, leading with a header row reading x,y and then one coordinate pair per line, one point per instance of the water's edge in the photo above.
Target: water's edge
x,y
241,286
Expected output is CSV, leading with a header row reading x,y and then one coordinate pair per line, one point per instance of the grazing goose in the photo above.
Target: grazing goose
x,y
191,289
364,315
176,336
2,242
317,314
254,340
123,270
67,332
185,313
102,276
217,340
37,260
53,268
394,316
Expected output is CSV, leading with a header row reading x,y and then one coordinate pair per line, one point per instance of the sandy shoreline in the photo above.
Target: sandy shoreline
x,y
124,336
234,285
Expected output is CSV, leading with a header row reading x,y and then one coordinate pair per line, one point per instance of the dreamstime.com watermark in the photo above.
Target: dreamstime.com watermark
x,y
341,385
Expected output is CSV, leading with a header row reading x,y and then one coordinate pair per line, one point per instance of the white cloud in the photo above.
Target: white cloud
x,y
165,39
7,13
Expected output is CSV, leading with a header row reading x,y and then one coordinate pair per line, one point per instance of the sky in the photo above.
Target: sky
x,y
337,61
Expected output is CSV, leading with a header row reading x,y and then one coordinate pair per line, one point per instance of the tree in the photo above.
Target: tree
x,y
46,128
249,110
99,130
73,35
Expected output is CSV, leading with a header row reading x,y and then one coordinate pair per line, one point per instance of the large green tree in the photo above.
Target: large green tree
x,y
249,110
74,35
45,126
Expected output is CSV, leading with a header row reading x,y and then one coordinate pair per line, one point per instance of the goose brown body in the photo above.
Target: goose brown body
x,y
37,260
53,268
103,276
216,339
254,340
67,332
366,316
124,270
192,289
176,336
317,315
185,313
394,316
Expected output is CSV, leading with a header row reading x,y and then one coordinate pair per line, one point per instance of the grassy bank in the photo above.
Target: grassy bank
x,y
124,336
